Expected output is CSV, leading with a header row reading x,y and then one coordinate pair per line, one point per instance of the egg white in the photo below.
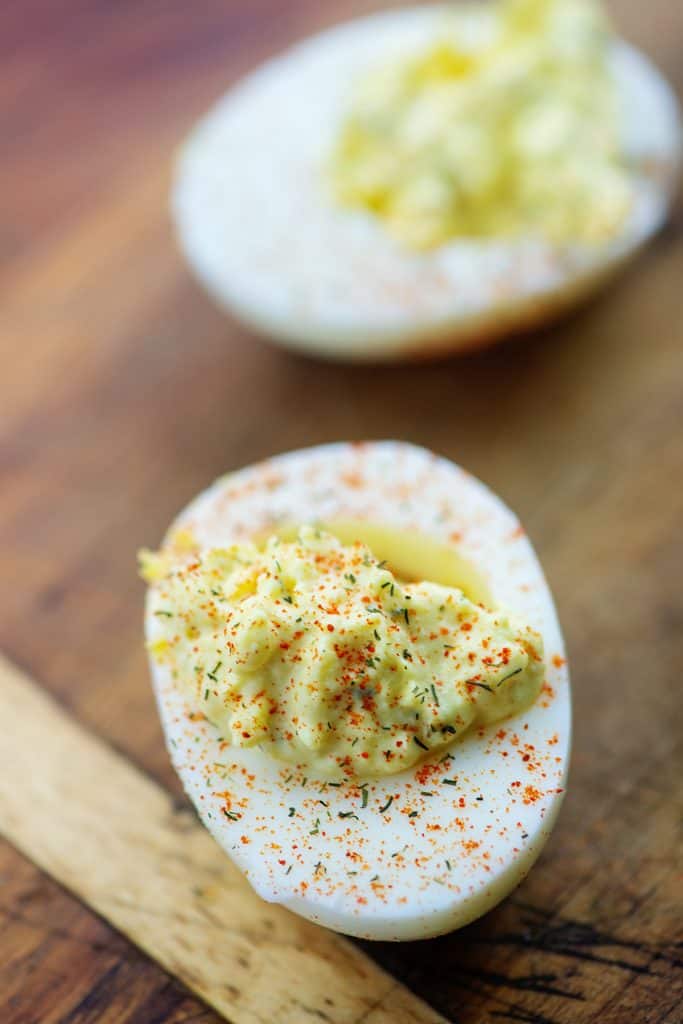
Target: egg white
x,y
382,874
259,228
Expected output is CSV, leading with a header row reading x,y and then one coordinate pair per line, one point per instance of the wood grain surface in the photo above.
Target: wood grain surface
x,y
123,391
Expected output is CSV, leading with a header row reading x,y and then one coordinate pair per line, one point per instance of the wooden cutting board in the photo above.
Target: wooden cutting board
x,y
123,391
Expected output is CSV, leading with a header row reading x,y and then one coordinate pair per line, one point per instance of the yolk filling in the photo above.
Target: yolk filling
x,y
514,133
328,652
411,556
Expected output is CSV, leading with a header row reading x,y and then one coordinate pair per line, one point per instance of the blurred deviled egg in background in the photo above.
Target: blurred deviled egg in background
x,y
428,179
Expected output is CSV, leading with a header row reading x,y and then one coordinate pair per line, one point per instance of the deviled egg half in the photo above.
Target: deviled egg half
x,y
429,179
363,685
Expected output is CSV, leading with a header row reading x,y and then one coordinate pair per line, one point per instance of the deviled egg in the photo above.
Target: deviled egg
x,y
363,685
428,179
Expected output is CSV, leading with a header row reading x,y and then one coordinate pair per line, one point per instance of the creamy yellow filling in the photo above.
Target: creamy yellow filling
x,y
512,134
317,652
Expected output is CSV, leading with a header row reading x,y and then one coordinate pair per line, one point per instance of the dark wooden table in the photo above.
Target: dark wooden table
x,y
123,391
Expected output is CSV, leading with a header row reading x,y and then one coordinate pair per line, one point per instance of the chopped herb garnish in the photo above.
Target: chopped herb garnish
x,y
323,802
449,782
292,812
375,878
483,686
377,636
416,739
206,694
348,814
448,864
425,792
413,814
387,805
380,565
435,696
508,676
212,673
288,869
450,729
161,611
364,798
231,815
288,599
